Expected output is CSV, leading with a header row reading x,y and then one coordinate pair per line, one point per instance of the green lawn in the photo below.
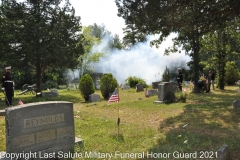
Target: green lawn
x,y
201,125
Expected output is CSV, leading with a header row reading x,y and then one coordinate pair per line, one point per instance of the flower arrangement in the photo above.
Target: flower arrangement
x,y
182,95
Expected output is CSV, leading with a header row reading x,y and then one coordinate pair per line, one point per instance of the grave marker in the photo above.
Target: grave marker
x,y
166,92
139,87
94,98
43,127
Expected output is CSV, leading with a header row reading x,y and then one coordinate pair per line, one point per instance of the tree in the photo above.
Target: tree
x,y
132,36
166,75
89,56
45,35
99,31
86,86
219,47
232,73
108,84
189,19
115,42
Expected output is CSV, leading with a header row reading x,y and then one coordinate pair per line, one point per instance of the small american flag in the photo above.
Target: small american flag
x,y
20,102
114,97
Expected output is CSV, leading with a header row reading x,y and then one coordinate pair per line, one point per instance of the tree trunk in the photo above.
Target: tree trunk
x,y
221,75
196,61
38,78
221,59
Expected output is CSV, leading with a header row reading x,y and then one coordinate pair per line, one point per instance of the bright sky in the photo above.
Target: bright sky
x,y
99,12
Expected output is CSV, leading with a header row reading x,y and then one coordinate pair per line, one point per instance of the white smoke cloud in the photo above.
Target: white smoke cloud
x,y
141,61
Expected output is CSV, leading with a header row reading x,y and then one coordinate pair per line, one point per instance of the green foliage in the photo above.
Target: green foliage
x,y
166,75
133,81
86,86
181,96
42,33
231,72
107,84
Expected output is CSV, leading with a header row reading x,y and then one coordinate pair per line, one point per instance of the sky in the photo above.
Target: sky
x,y
99,12
141,61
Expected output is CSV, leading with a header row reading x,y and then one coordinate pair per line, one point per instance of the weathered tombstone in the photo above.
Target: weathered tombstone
x,y
94,98
151,92
50,94
40,128
53,90
139,87
125,87
166,92
155,85
236,104
223,153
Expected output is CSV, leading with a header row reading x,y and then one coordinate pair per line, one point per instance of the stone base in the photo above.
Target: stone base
x,y
158,102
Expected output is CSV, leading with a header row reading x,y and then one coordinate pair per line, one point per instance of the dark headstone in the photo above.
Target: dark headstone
x,y
151,92
236,104
139,87
155,85
166,92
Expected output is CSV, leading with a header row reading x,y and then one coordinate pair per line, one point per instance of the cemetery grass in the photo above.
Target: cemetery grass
x,y
204,123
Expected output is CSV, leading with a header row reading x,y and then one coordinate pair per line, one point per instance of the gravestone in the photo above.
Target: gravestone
x,y
139,87
223,153
125,87
155,85
236,104
53,90
94,98
151,92
166,92
40,128
51,93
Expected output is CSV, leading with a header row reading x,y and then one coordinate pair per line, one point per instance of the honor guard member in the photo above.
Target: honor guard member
x,y
8,86
180,79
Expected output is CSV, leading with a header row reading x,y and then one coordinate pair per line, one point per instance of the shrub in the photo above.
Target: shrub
x,y
133,81
107,85
86,86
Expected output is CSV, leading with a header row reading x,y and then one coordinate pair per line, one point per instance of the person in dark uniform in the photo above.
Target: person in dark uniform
x,y
8,86
180,79
213,79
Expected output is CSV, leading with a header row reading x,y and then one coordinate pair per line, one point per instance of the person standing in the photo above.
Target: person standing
x,y
213,79
208,82
180,79
8,86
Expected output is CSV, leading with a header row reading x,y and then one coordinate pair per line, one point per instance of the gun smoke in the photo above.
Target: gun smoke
x,y
141,61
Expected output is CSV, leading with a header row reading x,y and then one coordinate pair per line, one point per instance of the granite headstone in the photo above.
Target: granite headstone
x,y
94,98
139,87
166,92
43,127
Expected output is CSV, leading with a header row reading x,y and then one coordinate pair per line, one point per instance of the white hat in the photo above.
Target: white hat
x,y
179,69
9,67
